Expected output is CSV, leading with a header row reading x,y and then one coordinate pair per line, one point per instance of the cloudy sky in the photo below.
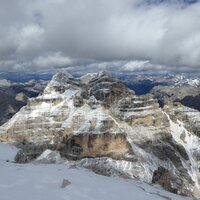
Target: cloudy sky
x,y
133,34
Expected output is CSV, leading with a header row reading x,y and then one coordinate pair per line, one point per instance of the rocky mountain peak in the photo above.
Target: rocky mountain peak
x,y
94,76
62,77
60,82
106,88
102,86
100,124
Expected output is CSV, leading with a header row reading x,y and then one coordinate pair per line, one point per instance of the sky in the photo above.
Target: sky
x,y
127,34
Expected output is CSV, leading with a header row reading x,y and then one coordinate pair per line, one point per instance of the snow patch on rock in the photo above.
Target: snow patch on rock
x,y
49,157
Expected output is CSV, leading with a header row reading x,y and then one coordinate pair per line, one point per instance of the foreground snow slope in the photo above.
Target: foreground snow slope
x,y
43,182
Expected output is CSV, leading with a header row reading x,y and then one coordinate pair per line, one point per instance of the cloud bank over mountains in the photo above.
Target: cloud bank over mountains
x,y
39,34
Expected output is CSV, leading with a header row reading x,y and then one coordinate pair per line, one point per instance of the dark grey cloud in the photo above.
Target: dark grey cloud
x,y
37,34
183,2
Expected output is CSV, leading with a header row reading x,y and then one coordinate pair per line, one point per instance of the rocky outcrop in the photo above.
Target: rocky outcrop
x,y
98,123
163,177
96,145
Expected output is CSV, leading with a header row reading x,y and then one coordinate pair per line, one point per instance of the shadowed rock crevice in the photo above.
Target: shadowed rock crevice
x,y
163,177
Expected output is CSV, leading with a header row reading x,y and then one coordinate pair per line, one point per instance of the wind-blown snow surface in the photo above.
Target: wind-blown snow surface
x,y
43,182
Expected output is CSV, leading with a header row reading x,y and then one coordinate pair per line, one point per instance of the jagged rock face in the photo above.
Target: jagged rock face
x,y
98,122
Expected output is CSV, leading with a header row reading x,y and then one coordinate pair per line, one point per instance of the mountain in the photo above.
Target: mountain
x,y
98,123
179,89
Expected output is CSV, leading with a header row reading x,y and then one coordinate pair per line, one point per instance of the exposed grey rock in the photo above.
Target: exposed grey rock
x,y
23,157
65,183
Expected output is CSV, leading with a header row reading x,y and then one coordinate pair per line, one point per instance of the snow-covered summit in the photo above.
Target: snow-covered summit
x,y
194,82
181,80
59,82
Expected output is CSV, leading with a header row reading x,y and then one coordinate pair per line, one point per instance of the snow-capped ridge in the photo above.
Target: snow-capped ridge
x,y
90,76
183,80
60,81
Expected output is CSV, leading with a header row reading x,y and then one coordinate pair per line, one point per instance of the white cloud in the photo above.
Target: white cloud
x,y
32,32
29,38
52,60
136,65
139,65
48,61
